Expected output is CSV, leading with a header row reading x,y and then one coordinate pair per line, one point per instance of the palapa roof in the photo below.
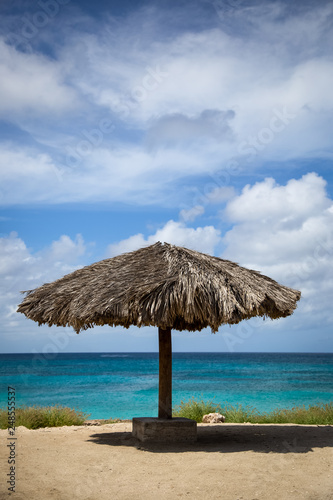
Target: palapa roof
x,y
161,285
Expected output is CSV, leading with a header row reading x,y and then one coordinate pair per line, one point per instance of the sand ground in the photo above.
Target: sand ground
x,y
229,462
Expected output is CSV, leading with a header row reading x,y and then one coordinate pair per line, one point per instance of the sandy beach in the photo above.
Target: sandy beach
x,y
229,461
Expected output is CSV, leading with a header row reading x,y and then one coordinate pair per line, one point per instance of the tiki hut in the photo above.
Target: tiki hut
x,y
162,285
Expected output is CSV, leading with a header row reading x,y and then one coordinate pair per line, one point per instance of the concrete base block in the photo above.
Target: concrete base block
x,y
175,430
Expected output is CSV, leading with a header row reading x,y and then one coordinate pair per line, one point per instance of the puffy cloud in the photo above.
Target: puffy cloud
x,y
286,232
132,243
67,249
203,239
189,215
267,200
21,269
14,255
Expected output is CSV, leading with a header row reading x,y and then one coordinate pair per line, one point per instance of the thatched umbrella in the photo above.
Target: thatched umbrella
x,y
161,285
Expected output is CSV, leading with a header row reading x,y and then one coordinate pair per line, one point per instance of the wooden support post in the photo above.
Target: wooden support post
x,y
165,374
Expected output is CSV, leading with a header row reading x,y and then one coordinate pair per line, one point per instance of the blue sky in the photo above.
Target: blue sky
x,y
206,124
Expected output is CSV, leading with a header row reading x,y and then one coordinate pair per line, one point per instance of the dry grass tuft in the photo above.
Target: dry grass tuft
x,y
35,417
320,414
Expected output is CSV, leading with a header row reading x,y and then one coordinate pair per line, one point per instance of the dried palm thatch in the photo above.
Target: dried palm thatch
x,y
161,285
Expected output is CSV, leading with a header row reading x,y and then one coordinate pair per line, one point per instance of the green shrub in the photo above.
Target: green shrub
x,y
195,410
34,417
239,414
320,414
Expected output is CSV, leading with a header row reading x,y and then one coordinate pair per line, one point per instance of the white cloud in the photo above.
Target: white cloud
x,y
65,248
267,200
26,175
33,84
286,232
203,239
127,173
14,254
21,269
189,215
128,245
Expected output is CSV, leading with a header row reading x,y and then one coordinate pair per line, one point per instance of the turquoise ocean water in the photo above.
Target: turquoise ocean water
x,y
125,385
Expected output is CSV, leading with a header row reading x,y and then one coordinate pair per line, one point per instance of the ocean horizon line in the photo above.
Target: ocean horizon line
x,y
173,352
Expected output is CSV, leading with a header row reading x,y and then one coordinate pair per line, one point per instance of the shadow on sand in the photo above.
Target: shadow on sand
x,y
234,438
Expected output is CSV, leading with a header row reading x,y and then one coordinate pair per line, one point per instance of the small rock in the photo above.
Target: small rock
x,y
93,422
213,418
